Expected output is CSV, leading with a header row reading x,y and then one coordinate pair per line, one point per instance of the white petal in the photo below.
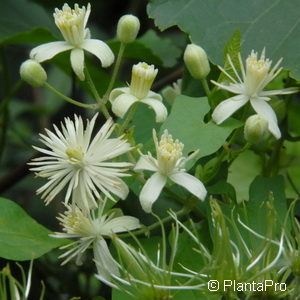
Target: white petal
x,y
191,183
105,263
159,108
120,224
228,107
99,49
279,92
117,92
154,96
236,88
151,191
122,104
77,62
49,50
144,163
265,110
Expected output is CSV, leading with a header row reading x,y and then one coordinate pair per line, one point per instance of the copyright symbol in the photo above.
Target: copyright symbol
x,y
213,285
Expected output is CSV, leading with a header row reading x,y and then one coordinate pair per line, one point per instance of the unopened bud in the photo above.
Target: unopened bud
x,y
196,61
256,129
33,73
128,28
131,259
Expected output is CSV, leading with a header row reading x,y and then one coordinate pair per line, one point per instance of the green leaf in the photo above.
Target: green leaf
x,y
150,48
210,23
291,162
259,194
21,22
186,123
242,172
21,237
161,47
232,48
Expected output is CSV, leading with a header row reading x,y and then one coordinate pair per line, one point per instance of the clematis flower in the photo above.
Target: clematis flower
x,y
91,229
169,165
250,87
142,78
72,25
81,164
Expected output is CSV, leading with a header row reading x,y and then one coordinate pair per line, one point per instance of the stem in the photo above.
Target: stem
x,y
152,226
70,100
129,117
92,86
205,86
96,95
115,72
272,165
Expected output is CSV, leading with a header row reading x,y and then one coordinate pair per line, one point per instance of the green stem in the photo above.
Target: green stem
x,y
96,95
128,118
70,100
152,226
205,86
273,163
92,86
115,72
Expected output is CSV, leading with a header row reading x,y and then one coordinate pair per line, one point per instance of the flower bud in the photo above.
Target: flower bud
x,y
196,61
33,73
256,129
128,28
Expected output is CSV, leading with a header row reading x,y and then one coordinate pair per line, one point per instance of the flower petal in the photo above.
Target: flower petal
x,y
279,92
151,191
191,183
117,92
145,163
105,263
49,50
228,107
154,96
77,62
99,49
159,108
122,104
236,88
120,224
265,110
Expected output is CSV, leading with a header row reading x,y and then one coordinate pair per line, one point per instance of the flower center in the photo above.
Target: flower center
x,y
75,222
257,71
169,152
142,78
75,155
71,23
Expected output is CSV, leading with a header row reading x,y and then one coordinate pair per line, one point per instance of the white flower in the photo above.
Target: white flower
x,y
81,163
91,230
169,164
72,25
142,78
255,77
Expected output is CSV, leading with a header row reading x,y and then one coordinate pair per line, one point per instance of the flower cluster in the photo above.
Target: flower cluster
x,y
89,165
